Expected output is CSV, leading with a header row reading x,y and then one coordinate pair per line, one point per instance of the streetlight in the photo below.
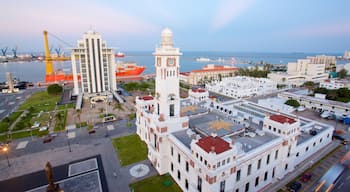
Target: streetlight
x,y
5,149
70,150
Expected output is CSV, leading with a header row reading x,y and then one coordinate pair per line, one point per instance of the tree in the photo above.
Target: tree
x,y
321,90
343,92
54,89
342,73
293,103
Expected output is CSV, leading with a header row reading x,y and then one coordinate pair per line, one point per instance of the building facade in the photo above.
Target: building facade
x,y
96,65
241,86
319,104
335,84
210,72
231,146
299,72
329,61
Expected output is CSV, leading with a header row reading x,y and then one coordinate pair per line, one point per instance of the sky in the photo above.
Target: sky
x,y
319,26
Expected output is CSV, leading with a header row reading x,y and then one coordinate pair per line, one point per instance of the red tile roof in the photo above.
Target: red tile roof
x,y
146,98
282,119
209,70
215,144
198,90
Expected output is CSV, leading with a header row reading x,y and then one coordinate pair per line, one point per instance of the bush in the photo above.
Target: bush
x,y
54,89
293,103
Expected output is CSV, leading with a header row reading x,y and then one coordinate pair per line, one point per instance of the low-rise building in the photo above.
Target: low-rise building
x,y
210,72
319,104
334,84
198,94
242,86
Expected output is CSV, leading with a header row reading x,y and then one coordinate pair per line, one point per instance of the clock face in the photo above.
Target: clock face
x,y
171,61
159,61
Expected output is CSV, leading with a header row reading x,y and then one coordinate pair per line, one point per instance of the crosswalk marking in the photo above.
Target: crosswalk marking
x,y
22,145
110,127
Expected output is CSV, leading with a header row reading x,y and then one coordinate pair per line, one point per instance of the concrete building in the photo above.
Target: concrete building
x,y
96,65
335,84
241,86
329,61
207,146
299,72
338,108
346,55
210,72
198,94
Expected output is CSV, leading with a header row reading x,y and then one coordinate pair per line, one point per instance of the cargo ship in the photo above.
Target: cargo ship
x,y
119,54
128,69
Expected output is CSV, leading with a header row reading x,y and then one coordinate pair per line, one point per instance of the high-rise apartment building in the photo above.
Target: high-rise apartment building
x,y
96,65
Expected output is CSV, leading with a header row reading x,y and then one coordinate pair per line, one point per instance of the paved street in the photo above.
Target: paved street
x,y
10,102
34,155
302,167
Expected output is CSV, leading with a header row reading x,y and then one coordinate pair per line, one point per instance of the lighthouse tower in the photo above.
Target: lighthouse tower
x,y
167,66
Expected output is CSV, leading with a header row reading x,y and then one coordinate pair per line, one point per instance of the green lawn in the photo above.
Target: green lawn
x,y
6,122
41,101
60,124
156,184
130,149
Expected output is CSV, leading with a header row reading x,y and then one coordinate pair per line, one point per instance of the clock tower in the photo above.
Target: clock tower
x,y
167,64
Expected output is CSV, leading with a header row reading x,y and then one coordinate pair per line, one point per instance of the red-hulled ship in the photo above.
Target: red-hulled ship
x,y
129,69
119,54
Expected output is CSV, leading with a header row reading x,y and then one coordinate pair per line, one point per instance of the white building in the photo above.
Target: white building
x,y
198,94
96,65
329,61
315,103
299,72
209,146
334,84
241,86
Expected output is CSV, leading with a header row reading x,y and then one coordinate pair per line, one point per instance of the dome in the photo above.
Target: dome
x,y
167,38
167,32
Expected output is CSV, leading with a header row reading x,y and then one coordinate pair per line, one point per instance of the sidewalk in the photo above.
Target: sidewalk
x,y
302,167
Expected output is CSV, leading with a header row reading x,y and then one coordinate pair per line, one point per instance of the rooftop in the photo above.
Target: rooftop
x,y
253,140
282,119
214,144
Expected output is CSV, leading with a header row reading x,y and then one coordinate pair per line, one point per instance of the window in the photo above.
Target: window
x,y
199,184
249,169
222,186
297,154
186,183
286,167
178,158
237,190
276,154
172,166
273,172
247,187
172,151
256,181
187,166
265,176
178,174
314,144
171,110
238,175
268,159
259,163
307,148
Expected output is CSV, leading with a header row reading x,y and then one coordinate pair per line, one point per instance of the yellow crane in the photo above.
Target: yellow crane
x,y
49,58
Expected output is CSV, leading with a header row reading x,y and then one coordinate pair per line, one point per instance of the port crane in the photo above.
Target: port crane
x,y
3,51
14,51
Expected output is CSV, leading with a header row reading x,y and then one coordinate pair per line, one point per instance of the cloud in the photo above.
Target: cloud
x,y
228,10
69,17
340,28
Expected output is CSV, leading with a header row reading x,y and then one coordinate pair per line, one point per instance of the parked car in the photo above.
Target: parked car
x,y
342,139
47,139
92,131
306,177
295,186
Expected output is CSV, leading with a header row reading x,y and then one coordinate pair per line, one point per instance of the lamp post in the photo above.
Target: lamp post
x,y
5,149
70,150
